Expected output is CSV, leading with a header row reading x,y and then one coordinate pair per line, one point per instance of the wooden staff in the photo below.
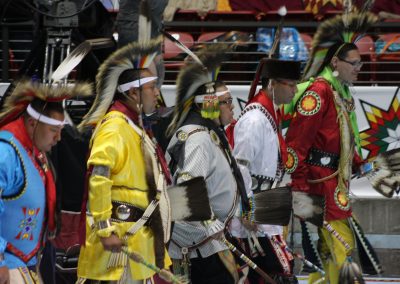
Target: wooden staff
x,y
248,261
163,273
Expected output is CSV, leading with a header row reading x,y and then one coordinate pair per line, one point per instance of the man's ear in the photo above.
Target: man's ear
x,y
134,94
31,122
334,62
272,83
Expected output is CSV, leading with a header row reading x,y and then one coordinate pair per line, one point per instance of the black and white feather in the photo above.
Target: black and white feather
x,y
181,46
144,22
71,61
189,201
274,51
385,176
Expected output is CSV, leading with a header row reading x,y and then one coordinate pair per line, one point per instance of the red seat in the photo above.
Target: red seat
x,y
366,47
172,52
204,37
307,40
389,65
170,48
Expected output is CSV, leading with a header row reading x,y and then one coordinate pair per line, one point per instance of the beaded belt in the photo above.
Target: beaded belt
x,y
324,159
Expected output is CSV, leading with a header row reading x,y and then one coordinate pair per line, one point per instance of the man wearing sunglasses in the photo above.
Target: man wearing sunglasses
x,y
323,148
260,151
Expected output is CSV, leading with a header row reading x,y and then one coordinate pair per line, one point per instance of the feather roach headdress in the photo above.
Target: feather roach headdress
x,y
26,91
196,78
346,28
136,56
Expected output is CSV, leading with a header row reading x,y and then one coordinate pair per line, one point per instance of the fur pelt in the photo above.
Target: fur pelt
x,y
308,207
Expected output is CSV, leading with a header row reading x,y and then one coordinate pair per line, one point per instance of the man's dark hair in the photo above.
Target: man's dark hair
x,y
338,49
46,108
218,84
127,76
264,83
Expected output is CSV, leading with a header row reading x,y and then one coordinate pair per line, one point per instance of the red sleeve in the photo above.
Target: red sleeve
x,y
229,131
307,120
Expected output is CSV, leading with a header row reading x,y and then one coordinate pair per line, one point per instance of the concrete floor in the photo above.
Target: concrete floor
x,y
374,280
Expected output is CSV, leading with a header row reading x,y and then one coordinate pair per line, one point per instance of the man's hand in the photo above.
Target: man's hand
x,y
112,243
4,275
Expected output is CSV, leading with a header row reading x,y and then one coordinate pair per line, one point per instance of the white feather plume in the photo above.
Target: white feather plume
x,y
304,207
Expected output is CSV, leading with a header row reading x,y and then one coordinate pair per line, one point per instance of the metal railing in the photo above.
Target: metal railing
x,y
237,70
375,71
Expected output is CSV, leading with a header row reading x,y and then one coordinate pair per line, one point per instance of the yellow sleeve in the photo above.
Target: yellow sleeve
x,y
107,150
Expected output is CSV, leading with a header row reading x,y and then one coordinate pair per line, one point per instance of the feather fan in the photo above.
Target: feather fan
x,y
385,173
273,206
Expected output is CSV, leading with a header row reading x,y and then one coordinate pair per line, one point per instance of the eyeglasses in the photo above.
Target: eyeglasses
x,y
227,101
355,64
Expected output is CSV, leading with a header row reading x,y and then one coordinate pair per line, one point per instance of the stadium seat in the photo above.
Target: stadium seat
x,y
171,50
292,15
366,47
173,53
205,37
388,60
307,40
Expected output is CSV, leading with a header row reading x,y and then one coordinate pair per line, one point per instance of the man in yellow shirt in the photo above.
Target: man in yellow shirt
x,y
125,172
